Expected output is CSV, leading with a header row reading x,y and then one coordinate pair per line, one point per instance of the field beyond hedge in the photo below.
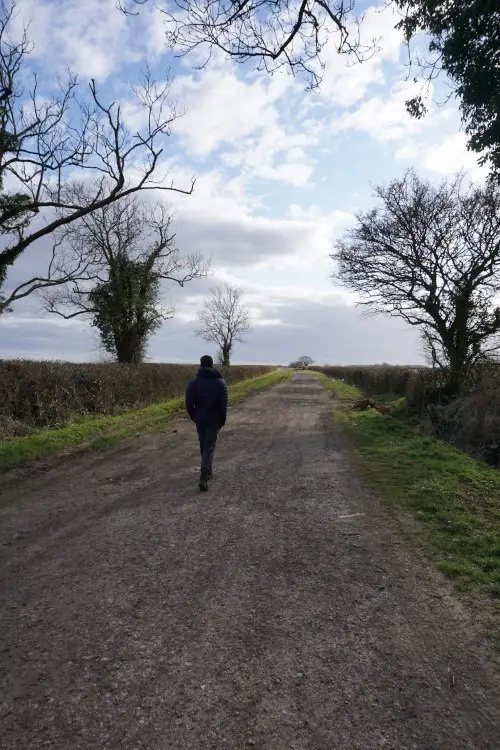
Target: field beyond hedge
x,y
36,395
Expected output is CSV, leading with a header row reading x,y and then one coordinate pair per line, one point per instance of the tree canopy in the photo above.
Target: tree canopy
x,y
116,259
431,256
50,140
464,45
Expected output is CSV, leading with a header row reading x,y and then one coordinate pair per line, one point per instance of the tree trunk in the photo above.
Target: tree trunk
x,y
226,355
457,344
128,349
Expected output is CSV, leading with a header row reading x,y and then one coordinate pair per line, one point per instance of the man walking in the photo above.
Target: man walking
x,y
206,404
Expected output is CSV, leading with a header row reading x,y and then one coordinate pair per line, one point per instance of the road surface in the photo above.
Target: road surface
x,y
277,611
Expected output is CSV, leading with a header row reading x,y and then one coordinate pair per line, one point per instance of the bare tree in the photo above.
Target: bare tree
x,y
272,33
431,255
123,252
224,320
45,142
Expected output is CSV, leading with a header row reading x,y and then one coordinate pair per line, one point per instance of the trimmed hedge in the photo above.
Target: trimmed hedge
x,y
50,394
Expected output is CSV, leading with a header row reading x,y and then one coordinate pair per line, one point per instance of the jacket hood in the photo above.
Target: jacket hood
x,y
208,372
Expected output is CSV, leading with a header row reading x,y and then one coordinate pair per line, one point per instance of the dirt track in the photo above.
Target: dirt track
x,y
275,612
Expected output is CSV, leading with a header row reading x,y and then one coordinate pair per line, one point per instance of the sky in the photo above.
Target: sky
x,y
280,173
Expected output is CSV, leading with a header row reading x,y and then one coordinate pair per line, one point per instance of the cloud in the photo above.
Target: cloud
x,y
258,156
443,153
327,331
346,82
384,117
92,38
248,241
28,337
450,155
225,220
247,120
222,108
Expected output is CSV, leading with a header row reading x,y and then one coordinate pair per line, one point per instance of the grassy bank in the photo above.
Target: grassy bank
x,y
99,433
471,421
447,501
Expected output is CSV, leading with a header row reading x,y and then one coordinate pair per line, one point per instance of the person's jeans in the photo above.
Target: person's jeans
x,y
208,439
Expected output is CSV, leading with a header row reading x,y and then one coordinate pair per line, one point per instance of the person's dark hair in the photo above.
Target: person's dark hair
x,y
206,361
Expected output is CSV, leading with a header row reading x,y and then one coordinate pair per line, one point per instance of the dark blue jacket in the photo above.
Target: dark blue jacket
x,y
206,398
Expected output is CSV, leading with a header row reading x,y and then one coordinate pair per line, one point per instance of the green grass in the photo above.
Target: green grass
x,y
347,392
454,499
341,390
102,433
447,502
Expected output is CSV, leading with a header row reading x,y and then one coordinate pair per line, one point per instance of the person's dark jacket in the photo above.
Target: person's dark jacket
x,y
206,398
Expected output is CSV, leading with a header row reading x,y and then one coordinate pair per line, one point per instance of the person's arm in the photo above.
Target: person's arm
x,y
224,402
191,399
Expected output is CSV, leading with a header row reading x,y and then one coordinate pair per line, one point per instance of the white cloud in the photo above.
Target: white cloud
x,y
155,28
92,38
345,81
222,108
248,121
275,154
407,152
384,117
450,155
443,150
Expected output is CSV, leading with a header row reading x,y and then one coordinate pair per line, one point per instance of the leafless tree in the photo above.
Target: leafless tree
x,y
111,246
224,320
272,33
431,255
45,142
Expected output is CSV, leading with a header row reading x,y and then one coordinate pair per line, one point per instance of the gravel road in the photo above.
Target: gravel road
x,y
277,611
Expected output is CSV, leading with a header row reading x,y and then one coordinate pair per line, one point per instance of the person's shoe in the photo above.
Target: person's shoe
x,y
203,485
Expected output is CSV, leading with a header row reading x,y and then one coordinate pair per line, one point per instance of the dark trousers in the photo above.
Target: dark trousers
x,y
208,439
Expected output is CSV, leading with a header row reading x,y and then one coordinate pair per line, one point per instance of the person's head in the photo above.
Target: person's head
x,y
206,361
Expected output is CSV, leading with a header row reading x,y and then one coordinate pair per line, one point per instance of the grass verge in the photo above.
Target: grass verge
x,y
101,433
446,500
